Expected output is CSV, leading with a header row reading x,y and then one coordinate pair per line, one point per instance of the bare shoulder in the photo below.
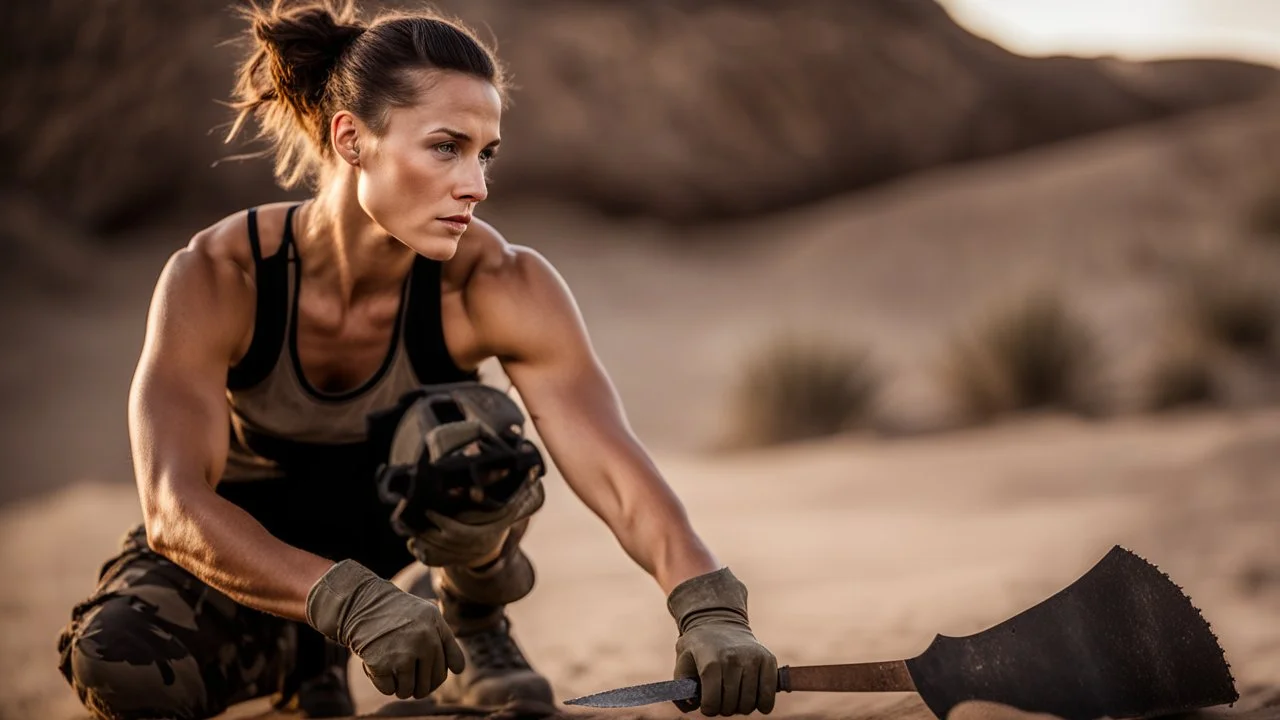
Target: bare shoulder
x,y
217,259
486,262
210,282
516,304
227,241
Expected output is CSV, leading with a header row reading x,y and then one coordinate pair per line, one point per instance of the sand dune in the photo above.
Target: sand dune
x,y
1106,220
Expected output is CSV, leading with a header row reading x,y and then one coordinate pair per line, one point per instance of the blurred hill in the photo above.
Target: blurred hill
x,y
684,111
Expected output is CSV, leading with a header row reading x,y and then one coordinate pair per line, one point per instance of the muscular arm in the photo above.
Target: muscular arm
x,y
178,429
525,315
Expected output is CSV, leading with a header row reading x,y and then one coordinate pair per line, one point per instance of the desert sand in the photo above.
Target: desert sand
x,y
856,548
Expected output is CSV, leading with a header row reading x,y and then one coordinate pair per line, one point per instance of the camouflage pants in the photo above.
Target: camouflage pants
x,y
154,642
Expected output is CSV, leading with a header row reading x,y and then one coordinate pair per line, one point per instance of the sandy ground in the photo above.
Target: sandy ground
x,y
854,550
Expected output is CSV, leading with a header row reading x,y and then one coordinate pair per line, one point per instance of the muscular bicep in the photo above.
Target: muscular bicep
x,y
527,318
199,316
532,324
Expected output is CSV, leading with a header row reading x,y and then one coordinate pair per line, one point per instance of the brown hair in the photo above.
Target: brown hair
x,y
311,59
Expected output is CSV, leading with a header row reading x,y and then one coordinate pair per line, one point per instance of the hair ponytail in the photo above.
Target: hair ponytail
x,y
284,80
311,58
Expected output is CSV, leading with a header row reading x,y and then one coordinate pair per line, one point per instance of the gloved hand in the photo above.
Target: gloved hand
x,y
716,646
403,641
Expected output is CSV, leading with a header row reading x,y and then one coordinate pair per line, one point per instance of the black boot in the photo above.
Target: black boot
x,y
473,603
497,672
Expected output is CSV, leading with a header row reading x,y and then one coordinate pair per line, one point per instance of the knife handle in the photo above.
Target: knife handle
x,y
891,676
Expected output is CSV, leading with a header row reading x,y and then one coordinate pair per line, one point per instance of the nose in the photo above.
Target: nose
x,y
472,185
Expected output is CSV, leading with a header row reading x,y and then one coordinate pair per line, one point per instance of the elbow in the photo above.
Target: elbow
x,y
163,517
160,531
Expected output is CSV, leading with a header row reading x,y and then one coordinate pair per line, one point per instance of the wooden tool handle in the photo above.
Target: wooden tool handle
x,y
891,676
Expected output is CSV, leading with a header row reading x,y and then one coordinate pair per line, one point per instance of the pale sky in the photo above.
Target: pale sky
x,y
1139,29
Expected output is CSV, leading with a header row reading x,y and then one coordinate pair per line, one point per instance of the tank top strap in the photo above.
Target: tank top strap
x,y
254,243
424,327
271,277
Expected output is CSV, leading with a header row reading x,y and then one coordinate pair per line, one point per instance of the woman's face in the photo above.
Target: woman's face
x,y
424,175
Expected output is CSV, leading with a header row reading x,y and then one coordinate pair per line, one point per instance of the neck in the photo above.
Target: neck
x,y
344,249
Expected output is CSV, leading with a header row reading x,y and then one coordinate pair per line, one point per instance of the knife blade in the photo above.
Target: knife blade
x,y
656,692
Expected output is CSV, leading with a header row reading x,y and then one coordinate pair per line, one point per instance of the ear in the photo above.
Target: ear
x,y
344,135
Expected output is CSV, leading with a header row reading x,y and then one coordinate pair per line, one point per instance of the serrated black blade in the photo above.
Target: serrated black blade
x,y
1122,641
636,695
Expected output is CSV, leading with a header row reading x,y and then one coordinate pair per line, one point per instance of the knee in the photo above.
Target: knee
x,y
504,581
124,666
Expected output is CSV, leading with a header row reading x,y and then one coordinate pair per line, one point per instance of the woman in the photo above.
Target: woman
x,y
262,558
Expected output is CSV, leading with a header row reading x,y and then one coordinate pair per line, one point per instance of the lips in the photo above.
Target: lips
x,y
460,219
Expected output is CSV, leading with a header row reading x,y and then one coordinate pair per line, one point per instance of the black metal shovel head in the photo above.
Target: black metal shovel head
x,y
1122,641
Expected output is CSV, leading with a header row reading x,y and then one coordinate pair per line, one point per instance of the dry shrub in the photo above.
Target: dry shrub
x,y
796,389
1234,303
1264,219
1183,375
1225,332
1028,354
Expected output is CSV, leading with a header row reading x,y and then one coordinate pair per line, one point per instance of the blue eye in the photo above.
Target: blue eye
x,y
448,148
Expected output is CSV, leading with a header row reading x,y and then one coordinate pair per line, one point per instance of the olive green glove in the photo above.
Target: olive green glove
x,y
402,639
716,646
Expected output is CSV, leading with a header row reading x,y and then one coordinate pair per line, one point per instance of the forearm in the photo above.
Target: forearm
x,y
655,531
233,553
580,419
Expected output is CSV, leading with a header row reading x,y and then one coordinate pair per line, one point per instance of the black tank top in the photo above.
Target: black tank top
x,y
299,460
275,413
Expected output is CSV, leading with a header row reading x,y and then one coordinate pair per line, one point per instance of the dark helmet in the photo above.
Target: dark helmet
x,y
456,449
